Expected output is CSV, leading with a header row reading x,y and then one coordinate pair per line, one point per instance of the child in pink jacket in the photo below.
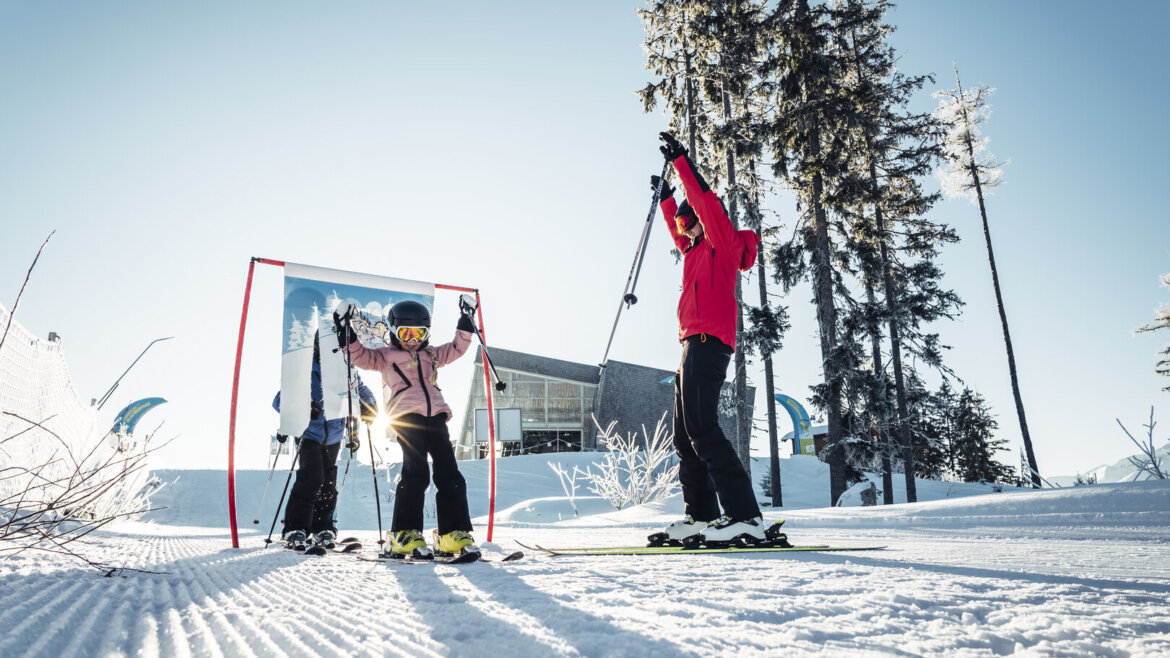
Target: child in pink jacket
x,y
419,415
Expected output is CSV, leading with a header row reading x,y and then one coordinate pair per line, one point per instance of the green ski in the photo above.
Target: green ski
x,y
672,550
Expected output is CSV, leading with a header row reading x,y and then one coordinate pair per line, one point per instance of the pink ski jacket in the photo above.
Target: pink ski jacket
x,y
411,375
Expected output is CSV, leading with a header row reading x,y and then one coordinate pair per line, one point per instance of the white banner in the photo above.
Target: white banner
x,y
311,294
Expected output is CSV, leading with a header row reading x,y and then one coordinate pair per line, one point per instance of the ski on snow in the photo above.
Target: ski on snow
x,y
462,558
679,550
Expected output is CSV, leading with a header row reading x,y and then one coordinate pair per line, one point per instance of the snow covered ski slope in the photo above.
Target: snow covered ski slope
x,y
1082,571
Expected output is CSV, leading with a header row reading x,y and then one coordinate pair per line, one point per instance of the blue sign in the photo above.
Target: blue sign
x,y
133,412
801,426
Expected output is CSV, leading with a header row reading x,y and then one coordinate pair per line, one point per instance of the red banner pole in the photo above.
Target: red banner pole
x,y
235,396
487,387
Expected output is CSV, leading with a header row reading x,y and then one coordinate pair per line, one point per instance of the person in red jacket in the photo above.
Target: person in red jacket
x,y
713,254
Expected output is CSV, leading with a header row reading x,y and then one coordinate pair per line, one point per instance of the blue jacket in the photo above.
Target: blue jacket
x,y
330,432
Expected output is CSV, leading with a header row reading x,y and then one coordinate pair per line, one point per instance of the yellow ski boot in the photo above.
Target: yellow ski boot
x,y
456,542
410,544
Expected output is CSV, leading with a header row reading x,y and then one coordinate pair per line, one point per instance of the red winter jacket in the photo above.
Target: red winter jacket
x,y
710,266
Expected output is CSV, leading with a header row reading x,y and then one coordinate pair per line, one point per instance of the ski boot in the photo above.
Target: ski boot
x,y
325,539
456,542
725,532
409,544
297,540
676,533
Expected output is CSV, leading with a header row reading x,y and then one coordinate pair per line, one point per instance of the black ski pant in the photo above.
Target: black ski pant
x,y
709,468
420,436
314,494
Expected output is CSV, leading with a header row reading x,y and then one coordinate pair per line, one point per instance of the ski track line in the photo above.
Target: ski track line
x,y
505,615
184,625
199,634
224,621
61,624
115,636
307,604
209,606
382,600
44,607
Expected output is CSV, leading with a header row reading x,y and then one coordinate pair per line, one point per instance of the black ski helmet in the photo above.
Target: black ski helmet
x,y
407,313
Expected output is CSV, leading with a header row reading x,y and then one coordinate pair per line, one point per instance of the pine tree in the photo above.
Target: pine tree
x,y
974,443
1161,321
809,155
765,335
707,54
972,169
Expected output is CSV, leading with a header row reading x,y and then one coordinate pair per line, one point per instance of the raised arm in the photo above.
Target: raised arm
x,y
714,219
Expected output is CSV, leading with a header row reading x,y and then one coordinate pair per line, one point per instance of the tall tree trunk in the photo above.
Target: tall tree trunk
x,y
882,423
743,423
826,310
892,311
1007,338
770,395
827,323
899,380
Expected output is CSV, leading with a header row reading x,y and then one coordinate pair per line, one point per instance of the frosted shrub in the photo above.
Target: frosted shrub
x,y
1147,462
630,475
52,494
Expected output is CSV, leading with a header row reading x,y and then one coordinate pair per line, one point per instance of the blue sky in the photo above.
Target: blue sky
x,y
501,146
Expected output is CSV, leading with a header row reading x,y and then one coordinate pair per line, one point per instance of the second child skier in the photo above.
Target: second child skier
x,y
308,518
419,415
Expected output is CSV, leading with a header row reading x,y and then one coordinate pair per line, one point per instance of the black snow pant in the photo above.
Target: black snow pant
x,y
708,463
314,494
419,436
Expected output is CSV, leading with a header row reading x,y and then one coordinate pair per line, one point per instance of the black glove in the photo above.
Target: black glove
x,y
345,333
369,412
670,148
314,410
667,190
465,324
353,444
281,438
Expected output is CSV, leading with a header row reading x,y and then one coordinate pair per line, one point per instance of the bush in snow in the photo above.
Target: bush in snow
x,y
630,475
568,482
1148,462
52,494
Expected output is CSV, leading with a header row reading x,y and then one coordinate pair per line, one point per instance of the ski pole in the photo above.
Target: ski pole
x,y
349,394
500,384
268,540
256,521
377,498
628,296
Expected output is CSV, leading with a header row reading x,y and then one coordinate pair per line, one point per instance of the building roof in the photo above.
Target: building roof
x,y
633,395
542,365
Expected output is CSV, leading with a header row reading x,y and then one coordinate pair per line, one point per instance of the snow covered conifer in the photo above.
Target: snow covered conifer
x,y
972,169
1161,321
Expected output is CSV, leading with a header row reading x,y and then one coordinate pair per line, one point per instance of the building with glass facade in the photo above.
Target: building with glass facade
x,y
558,400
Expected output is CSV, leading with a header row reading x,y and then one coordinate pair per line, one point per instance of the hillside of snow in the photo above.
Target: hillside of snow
x,y
1075,571
1120,471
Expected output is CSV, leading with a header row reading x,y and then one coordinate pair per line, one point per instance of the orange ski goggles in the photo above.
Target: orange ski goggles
x,y
407,334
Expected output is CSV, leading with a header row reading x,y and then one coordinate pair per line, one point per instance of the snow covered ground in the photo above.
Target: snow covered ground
x,y
1077,571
